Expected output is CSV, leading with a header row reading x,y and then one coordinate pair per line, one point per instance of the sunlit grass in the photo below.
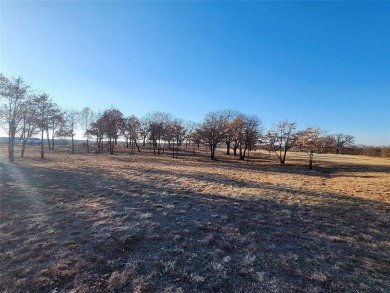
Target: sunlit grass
x,y
144,223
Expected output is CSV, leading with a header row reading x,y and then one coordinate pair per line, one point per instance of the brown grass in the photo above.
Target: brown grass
x,y
144,223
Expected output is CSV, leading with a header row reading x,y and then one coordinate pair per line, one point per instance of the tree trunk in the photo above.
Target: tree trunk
x,y
228,148
24,140
72,145
212,152
241,156
99,145
111,147
42,145
23,149
136,144
284,157
48,138
11,142
11,148
87,145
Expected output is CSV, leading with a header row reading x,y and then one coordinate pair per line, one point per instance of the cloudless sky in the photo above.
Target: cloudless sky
x,y
323,64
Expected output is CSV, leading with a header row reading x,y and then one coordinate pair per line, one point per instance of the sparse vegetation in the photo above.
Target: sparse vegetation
x,y
142,223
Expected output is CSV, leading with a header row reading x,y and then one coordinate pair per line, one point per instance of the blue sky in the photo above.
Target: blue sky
x,y
323,64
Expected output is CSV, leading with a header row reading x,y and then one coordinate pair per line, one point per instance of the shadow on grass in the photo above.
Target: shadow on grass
x,y
90,231
267,163
261,162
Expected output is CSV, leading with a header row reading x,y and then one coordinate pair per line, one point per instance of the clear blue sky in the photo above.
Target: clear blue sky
x,y
323,64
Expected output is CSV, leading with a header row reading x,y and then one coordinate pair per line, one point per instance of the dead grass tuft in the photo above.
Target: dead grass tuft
x,y
225,246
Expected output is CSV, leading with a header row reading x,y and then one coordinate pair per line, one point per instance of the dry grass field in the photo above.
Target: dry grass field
x,y
144,223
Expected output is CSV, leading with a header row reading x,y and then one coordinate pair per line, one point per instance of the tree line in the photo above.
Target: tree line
x,y
24,113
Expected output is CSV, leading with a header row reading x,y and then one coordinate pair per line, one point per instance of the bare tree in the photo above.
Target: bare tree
x,y
55,118
43,102
195,137
236,128
13,92
145,128
269,142
250,134
178,133
157,126
86,118
131,128
245,132
29,124
212,131
283,134
327,144
342,141
112,122
126,130
230,116
134,124
168,133
310,141
97,129
72,118
190,128
69,125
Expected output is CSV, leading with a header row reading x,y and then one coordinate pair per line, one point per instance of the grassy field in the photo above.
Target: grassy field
x,y
144,223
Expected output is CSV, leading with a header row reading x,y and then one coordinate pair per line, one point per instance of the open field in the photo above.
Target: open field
x,y
144,223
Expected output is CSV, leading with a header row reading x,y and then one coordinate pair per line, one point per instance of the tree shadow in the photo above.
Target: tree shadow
x,y
94,231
